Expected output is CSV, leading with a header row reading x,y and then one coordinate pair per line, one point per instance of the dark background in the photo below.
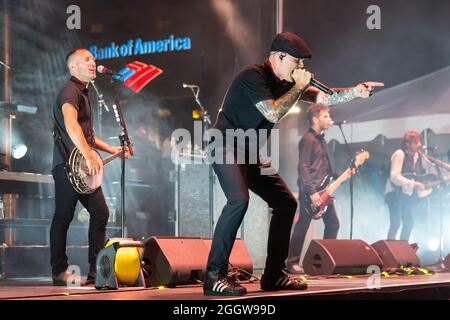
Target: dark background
x,y
225,35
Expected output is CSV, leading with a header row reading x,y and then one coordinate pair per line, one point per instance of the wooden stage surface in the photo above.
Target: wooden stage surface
x,y
436,286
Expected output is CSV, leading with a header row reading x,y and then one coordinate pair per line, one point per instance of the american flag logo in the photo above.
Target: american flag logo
x,y
136,75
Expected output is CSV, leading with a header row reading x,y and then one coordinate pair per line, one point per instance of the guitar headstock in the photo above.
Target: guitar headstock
x,y
360,157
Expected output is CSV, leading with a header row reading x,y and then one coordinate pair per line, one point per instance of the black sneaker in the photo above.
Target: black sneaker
x,y
282,282
219,285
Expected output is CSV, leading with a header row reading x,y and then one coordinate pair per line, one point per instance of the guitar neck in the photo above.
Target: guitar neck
x,y
111,158
336,184
437,183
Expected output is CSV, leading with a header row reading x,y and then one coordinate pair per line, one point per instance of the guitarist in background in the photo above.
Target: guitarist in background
x,y
314,165
73,128
399,192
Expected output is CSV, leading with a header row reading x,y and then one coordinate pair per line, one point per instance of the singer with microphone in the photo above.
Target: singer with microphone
x,y
259,96
401,186
283,48
73,127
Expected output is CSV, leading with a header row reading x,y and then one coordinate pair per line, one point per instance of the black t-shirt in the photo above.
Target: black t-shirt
x,y
75,93
253,84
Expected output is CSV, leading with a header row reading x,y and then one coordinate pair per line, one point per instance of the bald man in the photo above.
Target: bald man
x,y
73,124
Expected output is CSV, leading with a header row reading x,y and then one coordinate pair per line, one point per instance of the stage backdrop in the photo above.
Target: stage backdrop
x,y
204,43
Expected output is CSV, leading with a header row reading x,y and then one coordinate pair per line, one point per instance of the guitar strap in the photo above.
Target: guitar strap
x,y
326,154
91,141
329,164
57,138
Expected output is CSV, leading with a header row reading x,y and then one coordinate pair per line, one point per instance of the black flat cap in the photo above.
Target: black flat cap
x,y
292,44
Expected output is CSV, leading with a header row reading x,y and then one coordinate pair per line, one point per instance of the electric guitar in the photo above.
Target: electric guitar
x,y
77,170
429,180
328,187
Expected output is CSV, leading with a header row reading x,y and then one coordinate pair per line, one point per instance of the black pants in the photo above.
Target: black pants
x,y
330,221
236,180
401,209
65,201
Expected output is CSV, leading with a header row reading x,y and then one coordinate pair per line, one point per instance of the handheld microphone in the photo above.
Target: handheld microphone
x,y
189,85
319,85
103,69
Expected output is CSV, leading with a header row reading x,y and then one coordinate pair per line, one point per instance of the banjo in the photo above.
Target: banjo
x,y
77,171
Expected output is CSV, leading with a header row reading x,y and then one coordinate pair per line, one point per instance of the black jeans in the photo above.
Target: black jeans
x,y
401,210
330,221
65,201
236,180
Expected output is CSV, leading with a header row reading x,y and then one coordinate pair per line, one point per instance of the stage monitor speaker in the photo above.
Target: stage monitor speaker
x,y
325,257
396,253
447,262
239,257
172,261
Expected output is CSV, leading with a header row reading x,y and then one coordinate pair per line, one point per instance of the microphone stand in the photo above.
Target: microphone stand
x,y
352,165
124,141
206,122
206,118
442,191
100,104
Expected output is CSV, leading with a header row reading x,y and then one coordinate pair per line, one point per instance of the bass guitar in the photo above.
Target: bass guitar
x,y
328,187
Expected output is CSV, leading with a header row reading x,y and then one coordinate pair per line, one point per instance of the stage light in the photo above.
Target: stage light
x,y
19,151
196,114
433,244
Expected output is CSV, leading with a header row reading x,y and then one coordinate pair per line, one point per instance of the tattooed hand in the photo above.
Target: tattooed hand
x,y
302,77
365,89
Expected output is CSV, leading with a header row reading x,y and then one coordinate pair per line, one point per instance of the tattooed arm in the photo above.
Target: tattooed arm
x,y
275,110
340,95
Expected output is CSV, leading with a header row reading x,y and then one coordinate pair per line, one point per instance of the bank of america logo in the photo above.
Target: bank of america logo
x,y
136,75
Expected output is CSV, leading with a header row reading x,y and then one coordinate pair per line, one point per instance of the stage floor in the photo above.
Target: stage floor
x,y
435,286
